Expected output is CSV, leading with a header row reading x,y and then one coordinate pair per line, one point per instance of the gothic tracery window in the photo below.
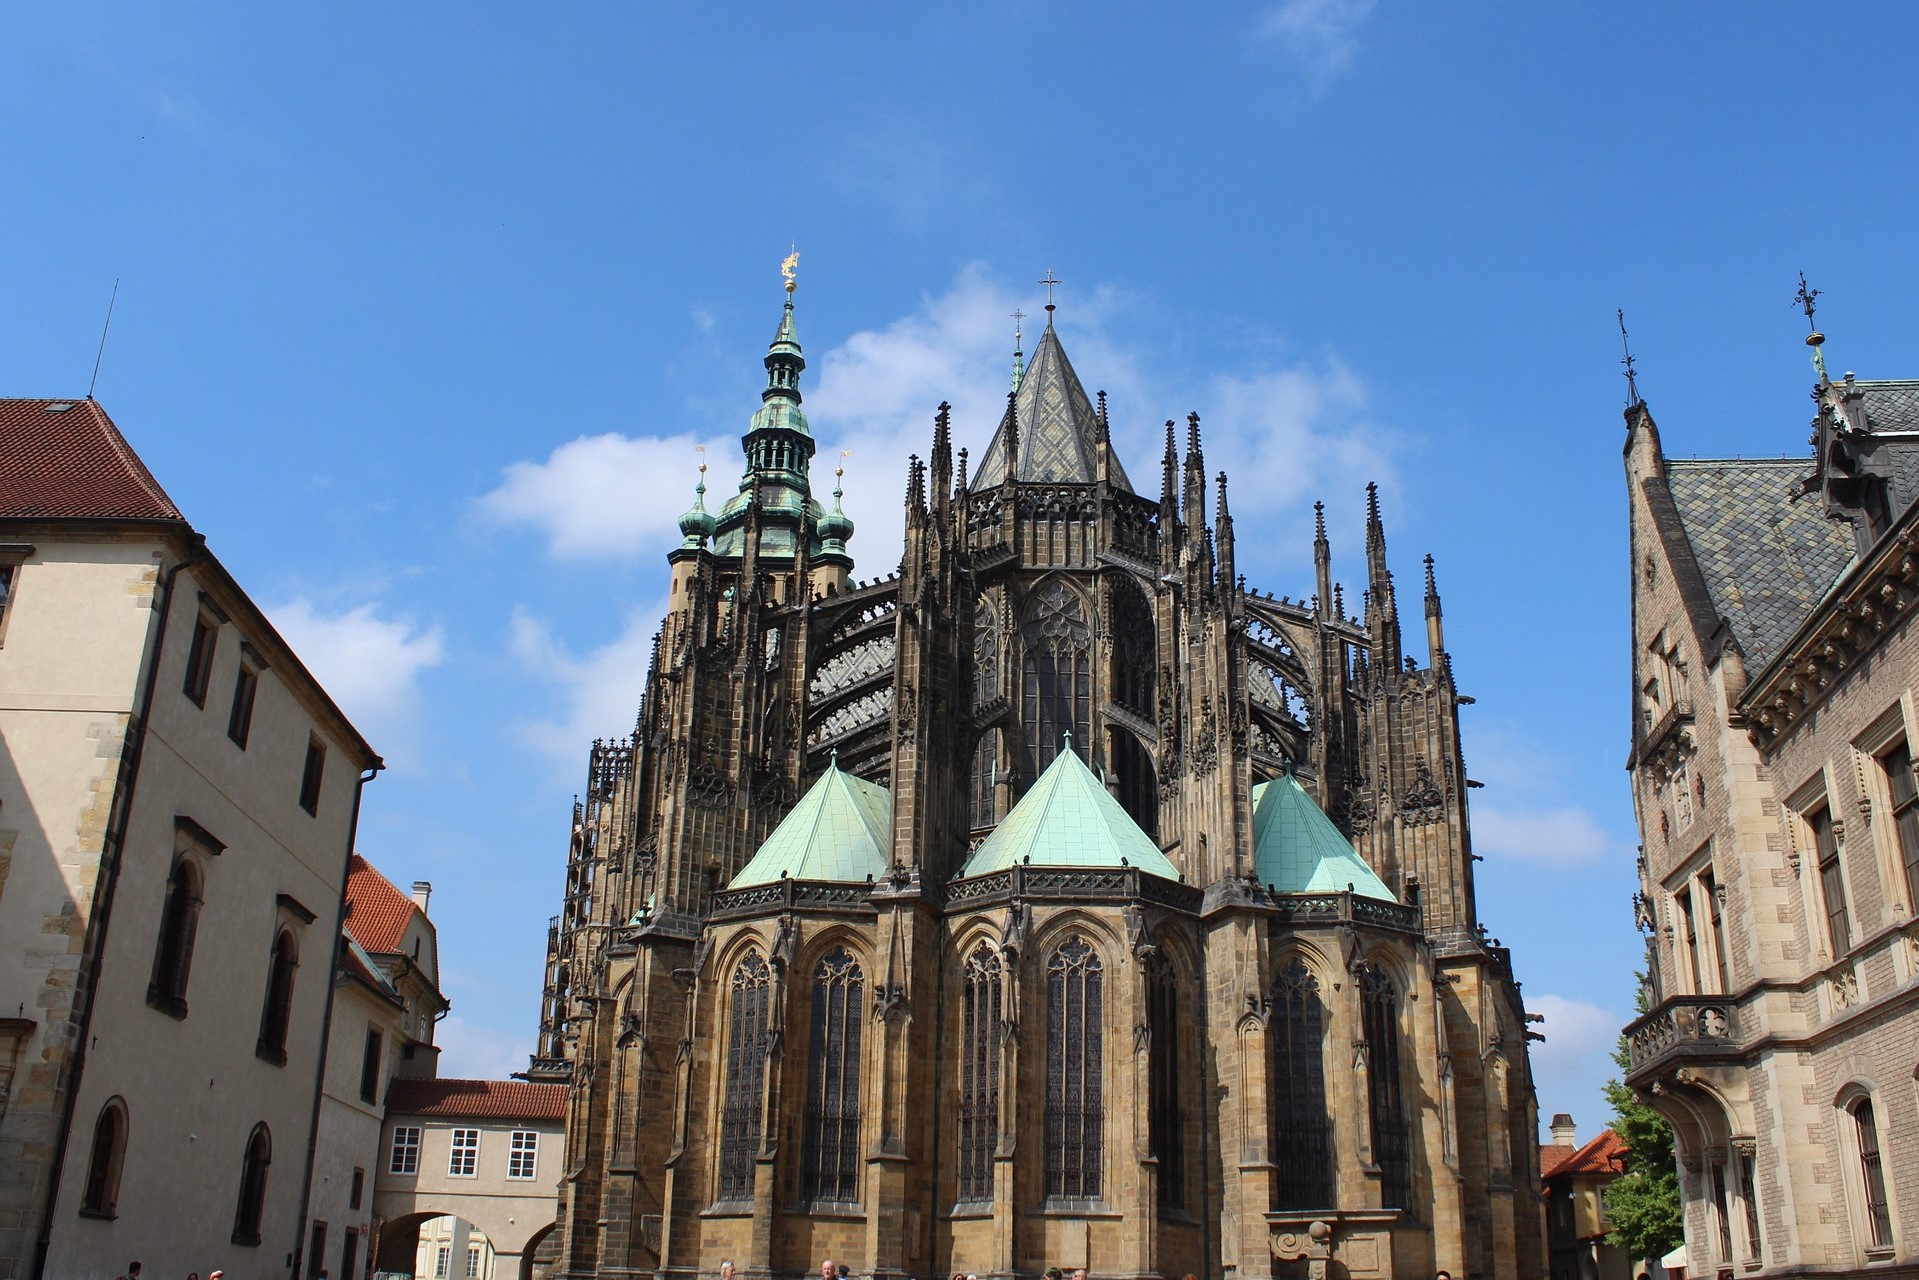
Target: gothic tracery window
x,y
1135,649
979,1074
1392,1150
985,774
831,1151
1075,1026
1138,781
1302,1130
751,990
986,649
1057,689
1164,1122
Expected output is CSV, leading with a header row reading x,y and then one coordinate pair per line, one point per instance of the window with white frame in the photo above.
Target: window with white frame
x,y
463,1158
522,1158
1699,934
406,1150
472,1262
440,1258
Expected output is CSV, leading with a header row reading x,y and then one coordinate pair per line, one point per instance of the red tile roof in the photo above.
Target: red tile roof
x,y
1604,1154
1551,1157
66,459
477,1099
377,913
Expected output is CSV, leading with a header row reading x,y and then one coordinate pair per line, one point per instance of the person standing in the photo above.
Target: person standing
x,y
133,1272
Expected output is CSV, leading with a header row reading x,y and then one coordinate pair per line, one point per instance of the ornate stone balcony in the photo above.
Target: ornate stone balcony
x,y
1682,1029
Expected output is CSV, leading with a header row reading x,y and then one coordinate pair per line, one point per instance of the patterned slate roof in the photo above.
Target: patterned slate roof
x,y
840,830
1766,559
477,1099
66,459
1058,428
1892,405
377,913
1297,849
1068,819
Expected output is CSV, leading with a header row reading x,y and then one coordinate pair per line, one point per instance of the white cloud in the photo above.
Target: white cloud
x,y
1553,836
600,691
607,495
1575,1059
1321,35
1525,815
469,1051
370,665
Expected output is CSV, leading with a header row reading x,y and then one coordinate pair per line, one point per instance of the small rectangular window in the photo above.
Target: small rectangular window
x,y
240,719
472,1262
359,1188
206,638
406,1150
370,1067
463,1160
310,778
522,1160
439,1261
1832,883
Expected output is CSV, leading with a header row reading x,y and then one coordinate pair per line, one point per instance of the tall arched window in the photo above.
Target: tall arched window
x,y
1057,692
985,774
745,1077
830,1153
1872,1175
1164,1122
1138,782
179,922
278,1012
979,1074
986,649
1302,1130
104,1161
1386,1104
1135,649
1075,1026
253,1186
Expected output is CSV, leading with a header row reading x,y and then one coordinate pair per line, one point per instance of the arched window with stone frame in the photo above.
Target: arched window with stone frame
x,y
1057,681
179,926
1136,779
251,1210
276,1014
1301,1122
1862,1144
1135,663
1166,1126
1075,1108
749,995
1386,1101
830,1153
105,1160
986,649
979,1073
985,776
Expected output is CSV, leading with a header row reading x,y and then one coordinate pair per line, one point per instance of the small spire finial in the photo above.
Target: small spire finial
x,y
1050,284
1019,348
1319,522
1632,377
789,271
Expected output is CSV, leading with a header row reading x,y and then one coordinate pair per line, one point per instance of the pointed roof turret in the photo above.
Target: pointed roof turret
x,y
1069,819
1297,849
840,830
698,523
1058,427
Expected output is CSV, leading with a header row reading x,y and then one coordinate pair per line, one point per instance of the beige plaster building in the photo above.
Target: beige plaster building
x,y
1575,1178
1774,666
177,801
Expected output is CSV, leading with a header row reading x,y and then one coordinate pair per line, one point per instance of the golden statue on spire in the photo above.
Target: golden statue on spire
x,y
788,270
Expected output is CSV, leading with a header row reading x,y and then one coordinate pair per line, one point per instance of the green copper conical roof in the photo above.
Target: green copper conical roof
x,y
1069,819
840,830
1297,849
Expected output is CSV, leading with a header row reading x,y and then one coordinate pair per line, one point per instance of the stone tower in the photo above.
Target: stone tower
x,y
1054,900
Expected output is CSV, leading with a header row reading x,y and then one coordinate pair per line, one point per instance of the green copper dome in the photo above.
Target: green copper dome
x,y
698,523
1297,849
1069,819
840,830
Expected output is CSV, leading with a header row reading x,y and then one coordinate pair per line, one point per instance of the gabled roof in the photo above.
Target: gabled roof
x,y
1058,429
1552,1155
476,1099
358,965
64,459
1766,560
1297,849
1068,819
1605,1154
840,830
377,913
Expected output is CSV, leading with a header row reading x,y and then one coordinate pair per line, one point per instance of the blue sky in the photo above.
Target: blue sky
x,y
423,309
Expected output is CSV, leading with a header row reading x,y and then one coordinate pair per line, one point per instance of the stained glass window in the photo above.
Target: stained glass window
x,y
1392,1150
1135,649
1057,690
1302,1130
745,1077
1163,1119
979,1074
830,1154
1075,1024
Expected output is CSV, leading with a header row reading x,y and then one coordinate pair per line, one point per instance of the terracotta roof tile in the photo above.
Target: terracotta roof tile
x,y
477,1099
1604,1154
377,912
66,459
1551,1157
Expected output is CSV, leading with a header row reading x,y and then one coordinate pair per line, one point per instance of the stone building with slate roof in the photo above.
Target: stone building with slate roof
x,y
1774,664
1055,900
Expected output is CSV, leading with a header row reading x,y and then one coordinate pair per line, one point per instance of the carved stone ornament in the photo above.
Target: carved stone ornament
x,y
1424,802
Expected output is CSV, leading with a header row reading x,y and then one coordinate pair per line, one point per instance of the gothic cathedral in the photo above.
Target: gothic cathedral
x,y
1054,900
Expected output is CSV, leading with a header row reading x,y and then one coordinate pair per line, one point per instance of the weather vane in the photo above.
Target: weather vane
x,y
701,450
788,270
841,469
1632,383
1804,300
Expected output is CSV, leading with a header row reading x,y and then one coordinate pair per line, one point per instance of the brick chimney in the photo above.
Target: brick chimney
x,y
1561,1127
423,892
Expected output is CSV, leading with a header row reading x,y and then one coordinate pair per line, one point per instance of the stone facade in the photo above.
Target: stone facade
x,y
1774,671
1195,1070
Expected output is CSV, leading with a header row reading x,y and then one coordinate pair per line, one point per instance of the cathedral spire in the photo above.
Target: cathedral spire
x,y
1322,556
1195,495
1224,522
1435,630
1383,611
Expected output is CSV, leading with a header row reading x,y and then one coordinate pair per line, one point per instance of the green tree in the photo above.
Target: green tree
x,y
1644,1201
